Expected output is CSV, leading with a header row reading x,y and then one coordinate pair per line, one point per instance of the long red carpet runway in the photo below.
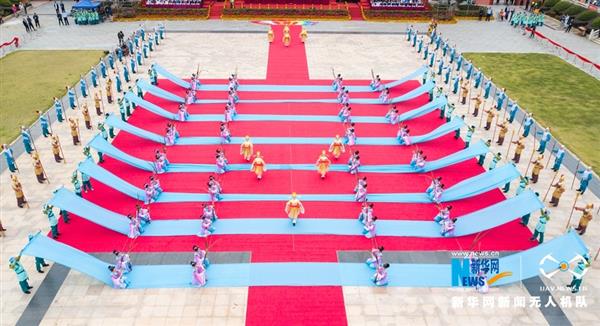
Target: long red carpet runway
x,y
289,305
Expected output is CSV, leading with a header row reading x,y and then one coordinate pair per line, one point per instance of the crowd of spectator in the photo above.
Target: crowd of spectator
x,y
397,3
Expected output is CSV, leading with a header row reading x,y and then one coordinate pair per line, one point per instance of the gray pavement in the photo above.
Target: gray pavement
x,y
469,36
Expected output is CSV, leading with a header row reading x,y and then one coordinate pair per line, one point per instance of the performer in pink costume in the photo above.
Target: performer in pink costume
x,y
198,274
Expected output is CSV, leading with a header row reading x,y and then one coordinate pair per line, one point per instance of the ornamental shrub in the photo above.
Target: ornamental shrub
x,y
561,7
549,3
586,16
595,24
574,10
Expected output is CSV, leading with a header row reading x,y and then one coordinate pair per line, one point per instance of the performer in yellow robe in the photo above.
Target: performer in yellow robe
x,y
74,125
287,38
258,166
323,164
247,149
293,208
337,147
303,34
270,35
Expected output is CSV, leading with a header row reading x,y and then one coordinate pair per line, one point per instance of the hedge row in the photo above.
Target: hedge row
x,y
6,6
145,11
583,17
595,24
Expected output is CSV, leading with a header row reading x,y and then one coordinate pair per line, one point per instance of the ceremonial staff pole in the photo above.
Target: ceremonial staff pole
x,y
495,127
550,155
572,210
575,173
522,122
550,186
43,170
31,138
532,153
49,122
512,135
482,114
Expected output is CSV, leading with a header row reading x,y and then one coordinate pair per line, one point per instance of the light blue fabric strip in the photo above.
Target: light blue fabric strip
x,y
412,114
523,265
157,91
286,117
145,85
150,106
468,188
99,173
102,145
448,127
482,183
481,220
282,88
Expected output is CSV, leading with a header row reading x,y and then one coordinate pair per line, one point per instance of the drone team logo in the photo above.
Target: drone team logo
x,y
549,266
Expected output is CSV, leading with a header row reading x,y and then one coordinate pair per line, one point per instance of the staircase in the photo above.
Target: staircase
x,y
354,11
216,9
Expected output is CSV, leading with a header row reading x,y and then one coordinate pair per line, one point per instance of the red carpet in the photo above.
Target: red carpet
x,y
289,305
354,10
287,64
326,306
216,10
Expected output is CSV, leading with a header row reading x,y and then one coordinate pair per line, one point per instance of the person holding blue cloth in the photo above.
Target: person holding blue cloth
x,y
527,123
102,68
540,227
111,61
545,138
43,123
512,111
478,79
71,95
83,86
584,181
22,277
8,154
47,210
59,109
487,88
559,155
27,141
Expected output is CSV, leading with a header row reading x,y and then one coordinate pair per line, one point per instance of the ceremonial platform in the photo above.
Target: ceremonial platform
x,y
294,275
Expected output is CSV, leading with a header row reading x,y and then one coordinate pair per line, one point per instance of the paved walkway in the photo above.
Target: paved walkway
x,y
469,36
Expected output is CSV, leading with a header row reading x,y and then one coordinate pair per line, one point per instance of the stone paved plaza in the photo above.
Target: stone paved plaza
x,y
353,48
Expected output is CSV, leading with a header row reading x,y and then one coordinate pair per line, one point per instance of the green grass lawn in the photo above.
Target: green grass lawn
x,y
559,95
30,79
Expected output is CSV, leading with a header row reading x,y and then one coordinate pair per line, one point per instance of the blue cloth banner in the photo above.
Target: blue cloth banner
x,y
442,130
148,87
467,188
521,266
102,145
282,88
481,220
412,114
